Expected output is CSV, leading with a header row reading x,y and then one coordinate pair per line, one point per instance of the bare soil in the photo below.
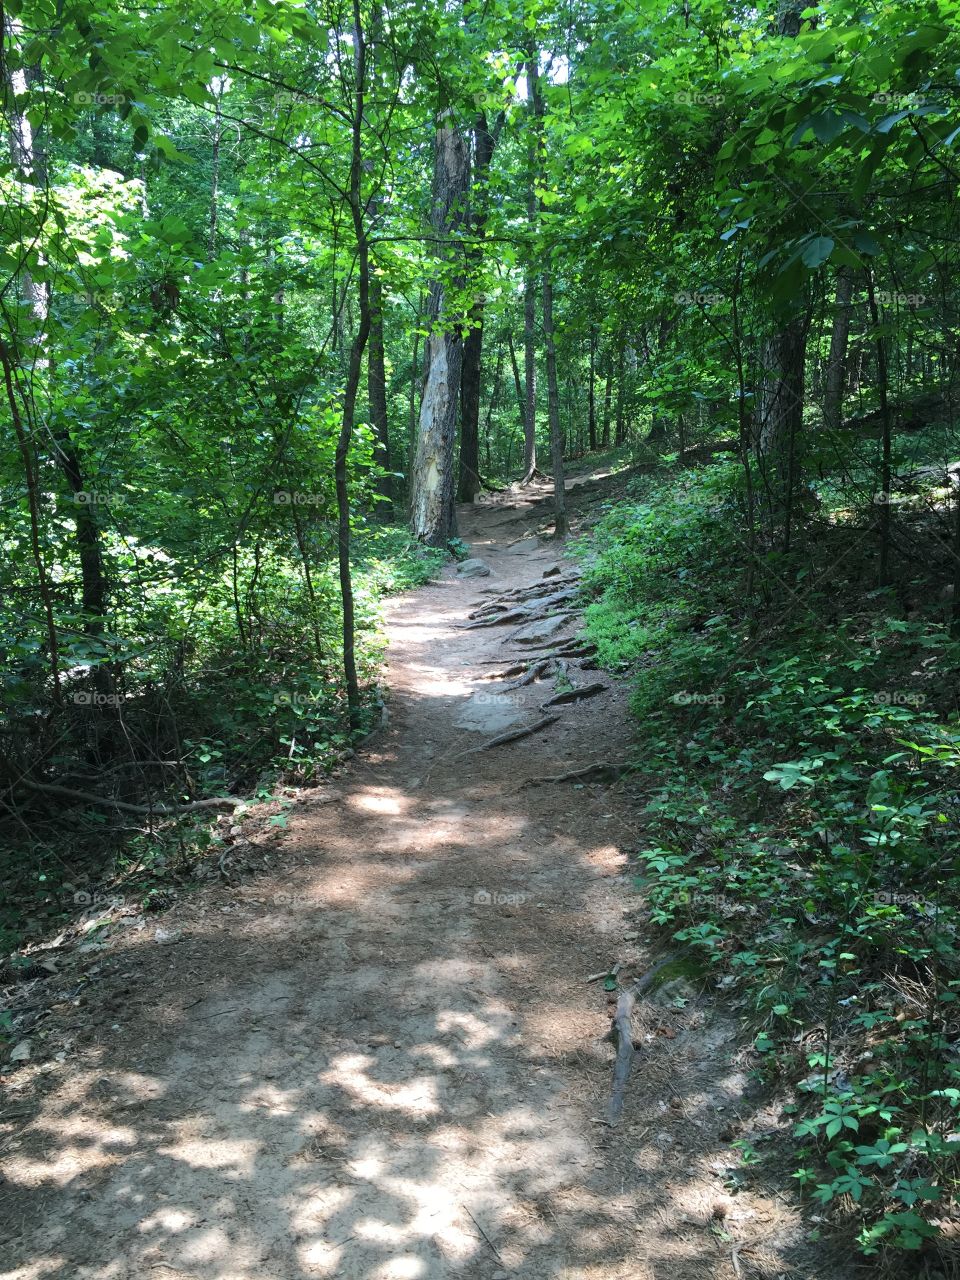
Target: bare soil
x,y
382,1060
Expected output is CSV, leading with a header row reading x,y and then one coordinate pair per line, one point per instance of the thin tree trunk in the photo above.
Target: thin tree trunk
x,y
354,370
886,467
377,389
33,501
484,142
836,371
607,402
469,477
550,351
591,392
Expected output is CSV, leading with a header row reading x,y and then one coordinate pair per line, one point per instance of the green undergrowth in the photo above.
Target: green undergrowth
x,y
798,748
206,712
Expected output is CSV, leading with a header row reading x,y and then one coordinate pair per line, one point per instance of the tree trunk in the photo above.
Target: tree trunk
x,y
484,141
620,433
354,371
550,350
781,418
886,460
432,516
377,389
560,526
591,392
469,479
607,401
836,371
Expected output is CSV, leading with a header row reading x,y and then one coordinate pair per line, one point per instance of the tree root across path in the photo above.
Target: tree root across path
x,y
576,695
602,771
516,734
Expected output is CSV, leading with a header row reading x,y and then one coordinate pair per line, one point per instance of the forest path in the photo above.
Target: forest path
x,y
355,1068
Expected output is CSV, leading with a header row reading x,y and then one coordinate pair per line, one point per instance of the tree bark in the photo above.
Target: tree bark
x,y
354,370
432,510
781,418
484,142
607,401
377,389
537,105
836,371
591,392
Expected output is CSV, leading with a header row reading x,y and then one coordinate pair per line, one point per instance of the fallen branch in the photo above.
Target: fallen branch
x,y
107,802
515,734
576,695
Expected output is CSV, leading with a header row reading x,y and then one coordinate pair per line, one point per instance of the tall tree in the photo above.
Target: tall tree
x,y
432,510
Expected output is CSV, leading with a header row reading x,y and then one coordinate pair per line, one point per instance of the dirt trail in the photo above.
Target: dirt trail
x,y
362,1067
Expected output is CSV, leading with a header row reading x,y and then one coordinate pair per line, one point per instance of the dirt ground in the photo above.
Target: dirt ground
x,y
383,1060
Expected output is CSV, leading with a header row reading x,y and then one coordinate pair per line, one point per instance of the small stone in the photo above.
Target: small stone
x,y
552,572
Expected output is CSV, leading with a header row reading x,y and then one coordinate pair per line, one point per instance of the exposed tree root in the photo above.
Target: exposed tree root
x,y
576,695
516,734
536,671
602,771
106,802
621,1034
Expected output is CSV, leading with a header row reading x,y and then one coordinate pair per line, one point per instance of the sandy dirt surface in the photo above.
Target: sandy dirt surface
x,y
383,1059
